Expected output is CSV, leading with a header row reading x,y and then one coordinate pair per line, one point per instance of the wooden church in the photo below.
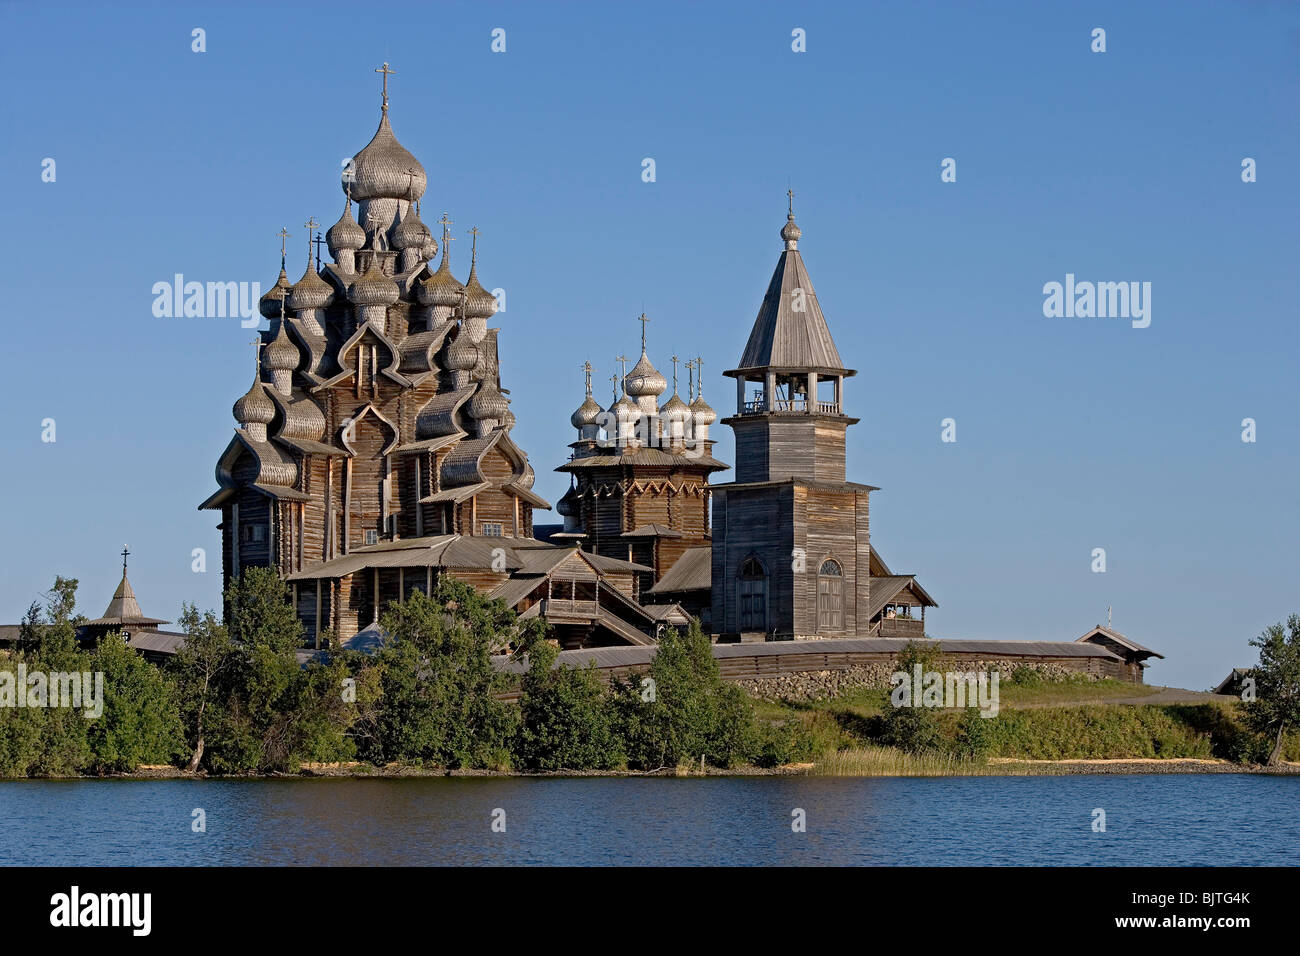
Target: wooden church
x,y
788,553
374,452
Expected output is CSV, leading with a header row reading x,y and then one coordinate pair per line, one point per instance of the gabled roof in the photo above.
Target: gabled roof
x,y
1119,639
885,590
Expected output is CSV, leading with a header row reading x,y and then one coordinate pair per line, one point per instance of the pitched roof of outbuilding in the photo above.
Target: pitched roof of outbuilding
x,y
1119,639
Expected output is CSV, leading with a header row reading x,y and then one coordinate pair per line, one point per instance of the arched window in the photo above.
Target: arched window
x,y
830,596
753,596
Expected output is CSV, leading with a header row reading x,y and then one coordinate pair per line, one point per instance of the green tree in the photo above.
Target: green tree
x,y
47,741
911,726
259,613
685,711
140,723
974,735
201,670
1276,707
439,686
566,717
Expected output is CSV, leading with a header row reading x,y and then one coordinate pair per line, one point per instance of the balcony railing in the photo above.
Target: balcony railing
x,y
758,406
902,627
564,606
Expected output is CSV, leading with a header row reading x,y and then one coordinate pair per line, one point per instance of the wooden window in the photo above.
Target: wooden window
x,y
490,529
372,536
254,533
753,596
830,597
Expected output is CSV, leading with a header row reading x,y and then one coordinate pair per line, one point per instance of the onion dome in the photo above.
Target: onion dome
x,y
373,287
441,288
255,406
281,354
567,506
791,232
479,302
644,379
384,169
625,408
410,233
345,235
311,291
588,413
675,410
703,412
462,355
488,402
269,304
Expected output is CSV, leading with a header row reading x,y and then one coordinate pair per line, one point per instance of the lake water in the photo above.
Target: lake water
x,y
1170,820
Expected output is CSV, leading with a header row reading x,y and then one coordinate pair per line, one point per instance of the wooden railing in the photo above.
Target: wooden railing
x,y
902,627
790,405
563,606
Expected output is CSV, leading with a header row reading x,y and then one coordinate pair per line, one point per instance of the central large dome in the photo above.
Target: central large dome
x,y
385,169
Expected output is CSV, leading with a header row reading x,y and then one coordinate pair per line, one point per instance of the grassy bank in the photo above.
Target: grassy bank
x,y
1069,720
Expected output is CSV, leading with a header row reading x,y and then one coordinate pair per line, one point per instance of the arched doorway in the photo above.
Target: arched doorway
x,y
830,596
753,596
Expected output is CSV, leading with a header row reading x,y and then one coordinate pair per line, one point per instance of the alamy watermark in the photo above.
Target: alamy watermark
x,y
1102,300
82,690
959,689
211,300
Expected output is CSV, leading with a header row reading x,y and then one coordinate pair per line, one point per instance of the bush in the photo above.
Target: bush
x,y
910,726
566,717
684,711
974,737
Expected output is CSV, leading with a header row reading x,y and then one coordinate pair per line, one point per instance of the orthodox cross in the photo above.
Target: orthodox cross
x,y
309,225
473,249
674,374
283,234
387,72
790,193
613,385
374,222
690,386
643,320
257,358
586,368
125,552
622,360
318,242
445,223
699,367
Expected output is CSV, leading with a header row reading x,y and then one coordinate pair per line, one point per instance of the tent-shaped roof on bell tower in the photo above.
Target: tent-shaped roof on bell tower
x,y
790,333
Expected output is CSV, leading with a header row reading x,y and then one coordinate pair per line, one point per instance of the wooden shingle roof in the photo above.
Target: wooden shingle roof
x,y
790,331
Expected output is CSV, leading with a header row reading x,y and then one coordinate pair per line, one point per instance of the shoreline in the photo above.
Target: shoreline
x,y
996,767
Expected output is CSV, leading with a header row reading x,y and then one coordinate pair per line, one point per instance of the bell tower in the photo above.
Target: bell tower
x,y
797,563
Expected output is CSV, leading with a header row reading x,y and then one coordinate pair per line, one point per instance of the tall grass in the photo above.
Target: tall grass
x,y
871,761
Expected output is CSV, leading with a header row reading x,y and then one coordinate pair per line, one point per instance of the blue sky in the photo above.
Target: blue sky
x,y
1072,434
